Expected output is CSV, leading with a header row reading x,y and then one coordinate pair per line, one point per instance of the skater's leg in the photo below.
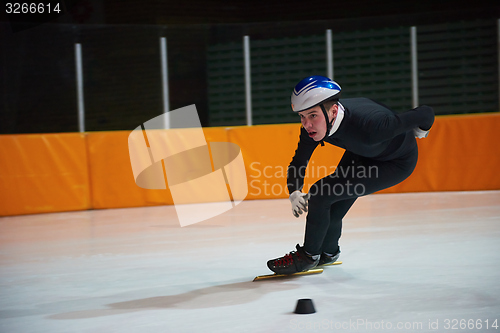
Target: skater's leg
x,y
322,206
337,212
329,243
355,176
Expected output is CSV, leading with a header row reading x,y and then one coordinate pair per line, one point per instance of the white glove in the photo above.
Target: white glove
x,y
299,202
420,133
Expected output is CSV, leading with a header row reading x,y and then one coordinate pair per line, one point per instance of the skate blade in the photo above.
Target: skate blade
x,y
275,276
331,264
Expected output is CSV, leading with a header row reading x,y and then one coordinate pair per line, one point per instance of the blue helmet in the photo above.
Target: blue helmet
x,y
313,91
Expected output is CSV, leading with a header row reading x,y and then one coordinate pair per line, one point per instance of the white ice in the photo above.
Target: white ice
x,y
420,262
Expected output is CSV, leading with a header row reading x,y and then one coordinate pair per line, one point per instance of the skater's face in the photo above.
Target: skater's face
x,y
314,121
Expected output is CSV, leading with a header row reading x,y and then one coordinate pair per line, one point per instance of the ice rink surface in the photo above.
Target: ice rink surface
x,y
419,262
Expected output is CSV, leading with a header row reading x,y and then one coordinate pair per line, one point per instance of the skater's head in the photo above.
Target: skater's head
x,y
313,96
314,121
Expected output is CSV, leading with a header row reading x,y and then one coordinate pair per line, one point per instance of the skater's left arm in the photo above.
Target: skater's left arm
x,y
383,126
296,170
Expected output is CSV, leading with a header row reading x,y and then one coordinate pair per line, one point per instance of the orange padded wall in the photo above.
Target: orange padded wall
x,y
461,153
112,180
43,173
72,171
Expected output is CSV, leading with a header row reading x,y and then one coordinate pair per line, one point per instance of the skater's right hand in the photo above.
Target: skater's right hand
x,y
420,133
299,202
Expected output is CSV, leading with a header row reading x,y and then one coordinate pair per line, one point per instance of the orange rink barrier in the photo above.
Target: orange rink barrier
x,y
71,171
43,173
112,180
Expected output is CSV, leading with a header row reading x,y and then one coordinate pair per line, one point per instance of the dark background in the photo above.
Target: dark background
x,y
120,41
216,12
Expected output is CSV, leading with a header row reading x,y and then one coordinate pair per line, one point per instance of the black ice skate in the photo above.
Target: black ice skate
x,y
326,259
294,262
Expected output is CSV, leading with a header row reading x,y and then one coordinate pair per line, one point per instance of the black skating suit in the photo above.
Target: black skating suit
x,y
381,151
